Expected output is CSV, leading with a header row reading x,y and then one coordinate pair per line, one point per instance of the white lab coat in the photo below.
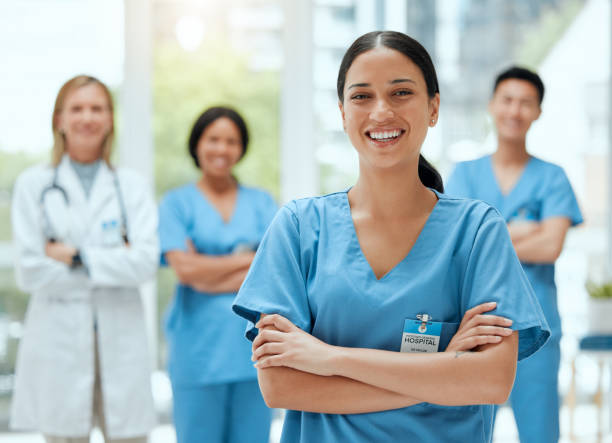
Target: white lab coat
x,y
55,363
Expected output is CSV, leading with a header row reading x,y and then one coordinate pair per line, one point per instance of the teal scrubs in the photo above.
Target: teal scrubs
x,y
310,269
208,358
543,191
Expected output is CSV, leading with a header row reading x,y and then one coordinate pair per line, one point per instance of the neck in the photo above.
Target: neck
x,y
511,152
218,185
83,155
391,193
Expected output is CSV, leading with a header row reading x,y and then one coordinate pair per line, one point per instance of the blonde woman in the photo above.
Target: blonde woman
x,y
85,239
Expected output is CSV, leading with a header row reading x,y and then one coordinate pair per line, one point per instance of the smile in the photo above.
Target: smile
x,y
385,136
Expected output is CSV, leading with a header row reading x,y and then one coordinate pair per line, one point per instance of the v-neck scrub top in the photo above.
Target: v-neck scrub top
x,y
310,269
205,339
542,191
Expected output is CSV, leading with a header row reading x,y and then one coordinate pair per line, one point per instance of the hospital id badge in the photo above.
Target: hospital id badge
x,y
421,335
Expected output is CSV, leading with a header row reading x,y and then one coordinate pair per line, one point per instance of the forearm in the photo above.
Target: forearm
x,y
292,389
121,265
203,270
538,248
444,378
231,283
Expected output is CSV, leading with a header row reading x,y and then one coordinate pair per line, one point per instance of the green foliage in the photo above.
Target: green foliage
x,y
185,84
11,165
542,36
599,291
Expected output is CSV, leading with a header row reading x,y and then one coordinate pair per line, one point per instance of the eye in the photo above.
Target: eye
x,y
403,93
359,97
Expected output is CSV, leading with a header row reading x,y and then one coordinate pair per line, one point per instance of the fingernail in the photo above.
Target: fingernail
x,y
492,303
508,321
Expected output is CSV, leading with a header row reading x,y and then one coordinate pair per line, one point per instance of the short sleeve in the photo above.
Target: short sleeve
x,y
494,273
457,185
172,226
275,283
560,200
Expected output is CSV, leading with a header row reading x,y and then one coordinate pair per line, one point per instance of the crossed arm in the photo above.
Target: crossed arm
x,y
297,371
539,242
208,273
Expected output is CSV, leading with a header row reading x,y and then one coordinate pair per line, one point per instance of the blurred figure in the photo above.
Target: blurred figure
x,y
538,204
209,232
85,239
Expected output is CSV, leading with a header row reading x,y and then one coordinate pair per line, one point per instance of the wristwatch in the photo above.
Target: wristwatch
x,y
76,261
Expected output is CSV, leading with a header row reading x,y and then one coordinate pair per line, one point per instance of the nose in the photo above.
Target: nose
x,y
515,108
381,111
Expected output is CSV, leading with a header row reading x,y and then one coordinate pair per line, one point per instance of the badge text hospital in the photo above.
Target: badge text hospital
x,y
421,335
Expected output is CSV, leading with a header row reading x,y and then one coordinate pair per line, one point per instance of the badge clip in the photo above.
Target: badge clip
x,y
424,319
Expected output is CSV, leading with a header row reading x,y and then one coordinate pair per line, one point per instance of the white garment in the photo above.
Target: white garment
x,y
55,364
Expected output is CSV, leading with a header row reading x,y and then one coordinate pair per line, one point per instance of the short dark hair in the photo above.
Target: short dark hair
x,y
412,49
207,118
521,73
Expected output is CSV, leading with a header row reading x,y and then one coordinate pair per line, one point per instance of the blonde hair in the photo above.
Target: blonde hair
x,y
59,142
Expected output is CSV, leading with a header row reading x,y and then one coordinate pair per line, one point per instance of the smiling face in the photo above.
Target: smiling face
x,y
386,110
514,107
219,148
85,120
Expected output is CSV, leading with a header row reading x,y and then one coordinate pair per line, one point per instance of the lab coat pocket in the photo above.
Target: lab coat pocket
x,y
449,329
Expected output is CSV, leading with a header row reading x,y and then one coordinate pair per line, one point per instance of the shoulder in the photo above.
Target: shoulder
x,y
130,177
312,209
181,193
257,194
548,169
470,165
34,177
311,213
468,215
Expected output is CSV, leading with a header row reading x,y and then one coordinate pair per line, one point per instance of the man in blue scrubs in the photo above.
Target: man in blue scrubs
x,y
539,206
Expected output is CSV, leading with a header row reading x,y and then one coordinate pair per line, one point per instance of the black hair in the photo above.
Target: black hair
x,y
207,118
521,73
412,49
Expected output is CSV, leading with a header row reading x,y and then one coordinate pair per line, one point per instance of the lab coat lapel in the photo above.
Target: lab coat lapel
x,y
77,207
102,191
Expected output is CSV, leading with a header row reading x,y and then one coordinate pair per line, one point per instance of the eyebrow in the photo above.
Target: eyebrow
x,y
392,82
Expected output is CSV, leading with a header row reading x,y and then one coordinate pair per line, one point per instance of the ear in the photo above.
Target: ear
x,y
434,109
539,113
341,107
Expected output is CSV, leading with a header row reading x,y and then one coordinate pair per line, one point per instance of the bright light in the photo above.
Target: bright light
x,y
189,32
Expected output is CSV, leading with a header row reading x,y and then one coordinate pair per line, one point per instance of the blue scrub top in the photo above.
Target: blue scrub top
x,y
205,339
543,191
310,269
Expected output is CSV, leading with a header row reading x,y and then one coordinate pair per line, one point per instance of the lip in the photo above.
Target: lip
x,y
381,143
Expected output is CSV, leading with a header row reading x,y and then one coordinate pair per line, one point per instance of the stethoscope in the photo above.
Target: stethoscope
x,y
54,186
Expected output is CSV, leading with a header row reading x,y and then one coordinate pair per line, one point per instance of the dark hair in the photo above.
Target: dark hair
x,y
207,118
420,57
521,73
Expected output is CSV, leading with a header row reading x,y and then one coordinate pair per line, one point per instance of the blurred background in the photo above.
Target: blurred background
x,y
276,61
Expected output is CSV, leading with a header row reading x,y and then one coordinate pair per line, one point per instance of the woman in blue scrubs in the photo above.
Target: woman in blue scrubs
x,y
537,202
354,296
209,231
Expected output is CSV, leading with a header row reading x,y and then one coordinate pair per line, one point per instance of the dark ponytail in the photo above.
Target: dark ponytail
x,y
415,52
429,176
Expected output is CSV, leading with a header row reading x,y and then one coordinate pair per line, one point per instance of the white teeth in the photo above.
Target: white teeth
x,y
385,134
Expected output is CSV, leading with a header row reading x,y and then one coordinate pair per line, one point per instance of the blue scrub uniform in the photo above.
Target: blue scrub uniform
x,y
543,191
310,269
213,380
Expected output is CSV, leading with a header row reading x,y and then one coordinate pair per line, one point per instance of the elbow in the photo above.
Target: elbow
x,y
500,386
272,388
